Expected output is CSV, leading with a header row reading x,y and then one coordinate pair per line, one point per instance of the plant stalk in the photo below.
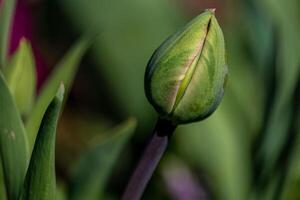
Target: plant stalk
x,y
149,160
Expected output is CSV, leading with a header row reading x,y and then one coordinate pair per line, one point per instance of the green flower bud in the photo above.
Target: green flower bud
x,y
185,76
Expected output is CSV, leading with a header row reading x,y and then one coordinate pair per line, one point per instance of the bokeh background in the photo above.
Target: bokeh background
x,y
247,148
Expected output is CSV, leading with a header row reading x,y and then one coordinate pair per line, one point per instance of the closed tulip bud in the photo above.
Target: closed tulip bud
x,y
185,76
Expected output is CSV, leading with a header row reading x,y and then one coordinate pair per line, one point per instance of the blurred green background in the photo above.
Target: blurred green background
x,y
248,149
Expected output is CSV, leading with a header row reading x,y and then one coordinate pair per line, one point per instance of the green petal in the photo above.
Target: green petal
x,y
205,89
172,66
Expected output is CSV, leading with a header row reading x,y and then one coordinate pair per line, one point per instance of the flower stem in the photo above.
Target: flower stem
x,y
149,160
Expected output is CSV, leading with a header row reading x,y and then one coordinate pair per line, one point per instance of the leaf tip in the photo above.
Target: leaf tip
x,y
60,92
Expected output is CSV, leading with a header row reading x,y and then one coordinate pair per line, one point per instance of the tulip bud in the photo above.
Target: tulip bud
x,y
185,76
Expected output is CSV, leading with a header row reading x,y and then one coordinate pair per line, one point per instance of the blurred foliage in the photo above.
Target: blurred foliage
x,y
16,143
98,161
21,77
6,14
249,148
64,73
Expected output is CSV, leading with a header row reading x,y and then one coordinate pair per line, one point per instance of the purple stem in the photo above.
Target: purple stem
x,y
149,160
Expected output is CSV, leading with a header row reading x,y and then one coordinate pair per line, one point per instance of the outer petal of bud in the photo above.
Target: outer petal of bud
x,y
185,76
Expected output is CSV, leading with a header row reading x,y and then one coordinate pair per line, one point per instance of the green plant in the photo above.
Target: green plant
x,y
248,149
28,125
184,81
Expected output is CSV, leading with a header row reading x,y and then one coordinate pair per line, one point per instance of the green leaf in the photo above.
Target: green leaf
x,y
64,72
40,178
6,12
93,169
13,143
21,77
2,184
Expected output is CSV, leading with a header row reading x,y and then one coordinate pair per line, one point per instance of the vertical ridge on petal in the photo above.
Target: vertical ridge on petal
x,y
190,70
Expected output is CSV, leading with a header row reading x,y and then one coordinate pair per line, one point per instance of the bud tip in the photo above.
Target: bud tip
x,y
212,10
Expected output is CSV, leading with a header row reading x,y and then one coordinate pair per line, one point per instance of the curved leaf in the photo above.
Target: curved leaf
x,y
13,143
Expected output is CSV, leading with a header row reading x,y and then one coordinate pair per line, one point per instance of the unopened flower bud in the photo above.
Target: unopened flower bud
x,y
185,76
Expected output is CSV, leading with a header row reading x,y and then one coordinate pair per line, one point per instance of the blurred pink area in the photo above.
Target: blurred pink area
x,y
23,27
182,184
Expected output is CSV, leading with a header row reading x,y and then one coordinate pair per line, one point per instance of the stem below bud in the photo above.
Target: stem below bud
x,y
149,160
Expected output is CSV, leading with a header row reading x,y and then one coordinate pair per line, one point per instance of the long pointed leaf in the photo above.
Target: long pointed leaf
x,y
95,166
40,178
63,72
6,12
13,143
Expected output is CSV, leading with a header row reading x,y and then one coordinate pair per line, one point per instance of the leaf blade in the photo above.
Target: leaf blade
x,y
40,177
13,143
